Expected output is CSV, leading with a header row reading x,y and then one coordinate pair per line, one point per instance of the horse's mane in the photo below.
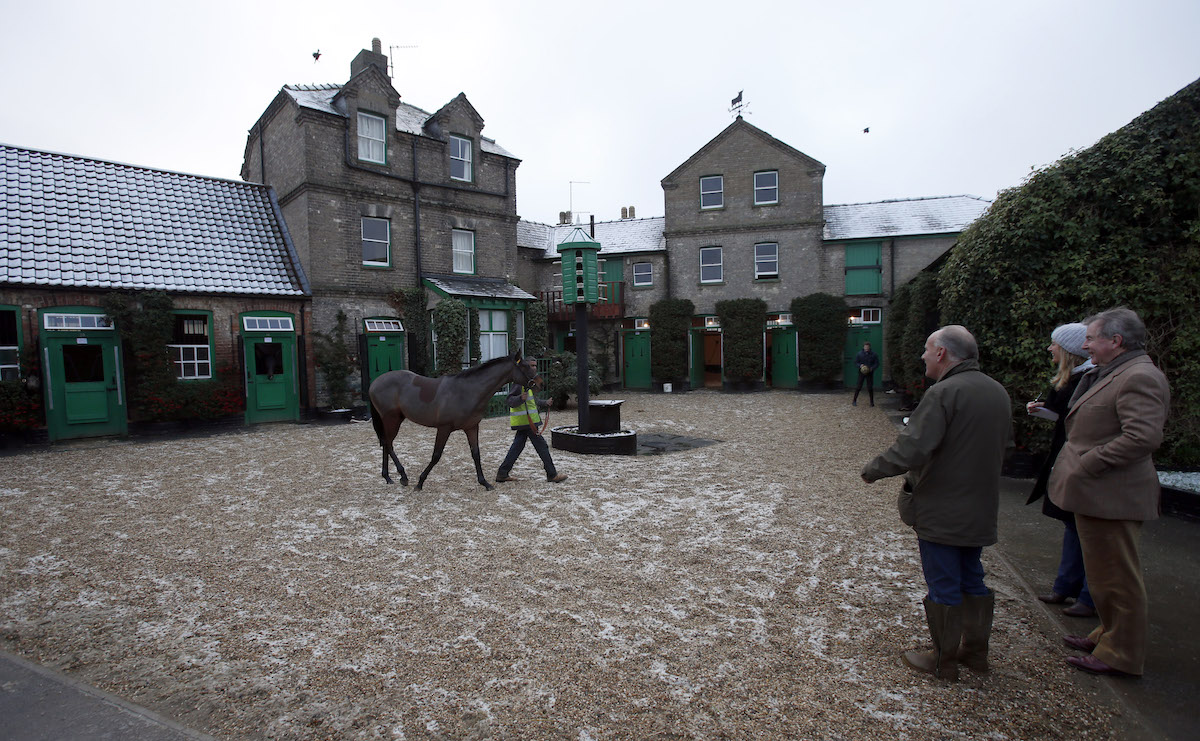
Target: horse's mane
x,y
477,369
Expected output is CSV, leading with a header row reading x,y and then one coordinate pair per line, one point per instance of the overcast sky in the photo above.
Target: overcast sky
x,y
960,97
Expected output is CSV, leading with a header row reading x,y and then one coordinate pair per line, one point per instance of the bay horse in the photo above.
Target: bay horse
x,y
447,403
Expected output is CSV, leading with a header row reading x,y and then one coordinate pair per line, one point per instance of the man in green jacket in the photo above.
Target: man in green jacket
x,y
951,453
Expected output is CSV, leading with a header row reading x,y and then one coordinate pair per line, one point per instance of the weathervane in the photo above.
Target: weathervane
x,y
737,107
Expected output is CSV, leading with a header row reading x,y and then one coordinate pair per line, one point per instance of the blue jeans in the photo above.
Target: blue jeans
x,y
1072,581
518,444
951,571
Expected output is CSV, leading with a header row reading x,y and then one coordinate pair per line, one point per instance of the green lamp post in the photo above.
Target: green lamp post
x,y
581,286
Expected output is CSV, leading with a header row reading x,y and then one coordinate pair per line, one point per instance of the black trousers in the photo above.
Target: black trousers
x,y
523,435
869,379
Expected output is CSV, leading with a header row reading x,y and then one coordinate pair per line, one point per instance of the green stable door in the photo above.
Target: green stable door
x,y
856,335
784,367
85,395
637,358
272,381
384,352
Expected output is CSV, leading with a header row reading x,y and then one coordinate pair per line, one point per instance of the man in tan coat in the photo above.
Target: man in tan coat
x,y
1105,475
951,452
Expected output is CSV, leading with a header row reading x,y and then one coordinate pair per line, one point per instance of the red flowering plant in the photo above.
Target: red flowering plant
x,y
21,404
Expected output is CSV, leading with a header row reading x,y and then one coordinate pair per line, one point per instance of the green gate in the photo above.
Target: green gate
x,y
637,358
856,335
272,383
84,383
384,341
785,372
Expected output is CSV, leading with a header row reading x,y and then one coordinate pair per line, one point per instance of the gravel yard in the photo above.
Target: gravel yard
x,y
267,583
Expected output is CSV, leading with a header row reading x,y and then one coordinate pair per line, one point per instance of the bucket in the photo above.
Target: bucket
x,y
666,388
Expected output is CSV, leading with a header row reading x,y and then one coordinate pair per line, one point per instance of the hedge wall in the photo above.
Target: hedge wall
x,y
820,321
1115,224
670,322
743,321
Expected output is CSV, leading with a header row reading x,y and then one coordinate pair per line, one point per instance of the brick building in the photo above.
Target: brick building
x,y
381,195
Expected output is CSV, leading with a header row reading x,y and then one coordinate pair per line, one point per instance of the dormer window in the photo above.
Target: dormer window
x,y
372,144
460,158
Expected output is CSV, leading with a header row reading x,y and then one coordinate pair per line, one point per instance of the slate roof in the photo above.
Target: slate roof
x,y
481,287
907,217
626,235
409,118
76,222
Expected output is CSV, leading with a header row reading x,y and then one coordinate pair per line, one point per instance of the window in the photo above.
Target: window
x,y
783,319
766,188
376,242
712,191
865,316
10,367
643,274
460,158
521,331
267,323
189,348
493,334
372,144
464,251
384,325
77,321
641,324
556,282
712,322
864,275
766,260
710,265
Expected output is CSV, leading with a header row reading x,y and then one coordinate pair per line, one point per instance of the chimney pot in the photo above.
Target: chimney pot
x,y
624,212
631,213
376,46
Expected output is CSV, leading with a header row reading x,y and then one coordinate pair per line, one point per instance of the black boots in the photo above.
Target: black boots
x,y
977,629
946,628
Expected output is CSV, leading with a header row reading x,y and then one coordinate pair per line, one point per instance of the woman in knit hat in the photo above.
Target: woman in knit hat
x,y
1071,362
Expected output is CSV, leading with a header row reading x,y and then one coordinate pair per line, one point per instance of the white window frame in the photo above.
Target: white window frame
x,y
556,281
646,278
759,262
709,190
458,252
461,151
189,368
712,322
762,188
386,242
76,322
384,325
493,343
719,264
520,329
783,319
641,324
372,138
267,324
872,315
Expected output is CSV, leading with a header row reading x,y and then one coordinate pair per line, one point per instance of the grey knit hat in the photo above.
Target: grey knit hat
x,y
1070,337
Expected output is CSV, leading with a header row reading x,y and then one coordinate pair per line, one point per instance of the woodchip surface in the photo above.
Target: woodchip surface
x,y
266,583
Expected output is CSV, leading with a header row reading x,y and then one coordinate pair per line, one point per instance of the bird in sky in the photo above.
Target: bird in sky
x,y
316,55
867,130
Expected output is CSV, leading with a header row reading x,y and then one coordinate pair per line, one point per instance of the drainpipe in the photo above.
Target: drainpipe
x,y
416,186
262,155
892,259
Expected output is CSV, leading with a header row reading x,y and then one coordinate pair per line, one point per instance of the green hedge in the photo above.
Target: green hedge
x,y
743,321
450,323
893,339
670,322
1114,224
820,321
535,329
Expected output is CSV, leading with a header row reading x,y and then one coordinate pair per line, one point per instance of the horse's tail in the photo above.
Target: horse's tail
x,y
377,423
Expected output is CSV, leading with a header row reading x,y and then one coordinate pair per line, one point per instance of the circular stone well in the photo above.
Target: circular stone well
x,y
621,442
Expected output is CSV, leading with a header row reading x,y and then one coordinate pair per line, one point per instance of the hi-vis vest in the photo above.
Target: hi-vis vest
x,y
523,415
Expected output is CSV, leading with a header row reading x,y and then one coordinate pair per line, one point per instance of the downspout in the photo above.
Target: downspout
x,y
892,260
416,186
262,154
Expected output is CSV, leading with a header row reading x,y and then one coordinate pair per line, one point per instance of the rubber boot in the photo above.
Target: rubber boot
x,y
946,629
977,629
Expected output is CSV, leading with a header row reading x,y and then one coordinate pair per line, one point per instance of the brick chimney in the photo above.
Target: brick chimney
x,y
365,59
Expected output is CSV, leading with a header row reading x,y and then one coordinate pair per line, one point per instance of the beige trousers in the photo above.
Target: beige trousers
x,y
1114,576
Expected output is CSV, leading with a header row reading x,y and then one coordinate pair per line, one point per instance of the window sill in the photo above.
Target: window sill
x,y
712,208
766,205
702,284
642,288
767,279
377,266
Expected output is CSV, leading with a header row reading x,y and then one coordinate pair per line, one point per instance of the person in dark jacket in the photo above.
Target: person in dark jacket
x,y
866,361
525,418
1066,347
951,452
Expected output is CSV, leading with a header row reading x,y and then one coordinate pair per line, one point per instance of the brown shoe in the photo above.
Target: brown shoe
x,y
1079,610
1052,598
1080,643
558,479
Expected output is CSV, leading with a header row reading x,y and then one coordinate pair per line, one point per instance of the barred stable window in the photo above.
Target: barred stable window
x,y
460,158
766,188
464,251
766,260
712,191
376,242
189,348
372,144
710,265
10,368
643,274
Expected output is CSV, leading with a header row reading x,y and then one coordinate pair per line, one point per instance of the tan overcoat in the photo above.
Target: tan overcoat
x,y
1105,470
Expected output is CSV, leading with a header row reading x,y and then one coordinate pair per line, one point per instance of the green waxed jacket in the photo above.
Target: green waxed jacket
x,y
951,452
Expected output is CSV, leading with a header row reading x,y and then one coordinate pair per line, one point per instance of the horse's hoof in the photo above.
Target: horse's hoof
x,y
387,479
404,482
489,487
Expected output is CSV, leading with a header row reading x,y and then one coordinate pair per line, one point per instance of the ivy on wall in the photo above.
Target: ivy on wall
x,y
670,322
450,323
742,324
820,321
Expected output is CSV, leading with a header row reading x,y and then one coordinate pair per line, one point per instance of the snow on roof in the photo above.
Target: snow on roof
x,y
72,221
904,217
482,287
409,118
626,235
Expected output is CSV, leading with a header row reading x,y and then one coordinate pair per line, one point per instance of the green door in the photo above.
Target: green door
x,y
271,382
85,394
785,372
637,358
856,335
697,365
385,352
